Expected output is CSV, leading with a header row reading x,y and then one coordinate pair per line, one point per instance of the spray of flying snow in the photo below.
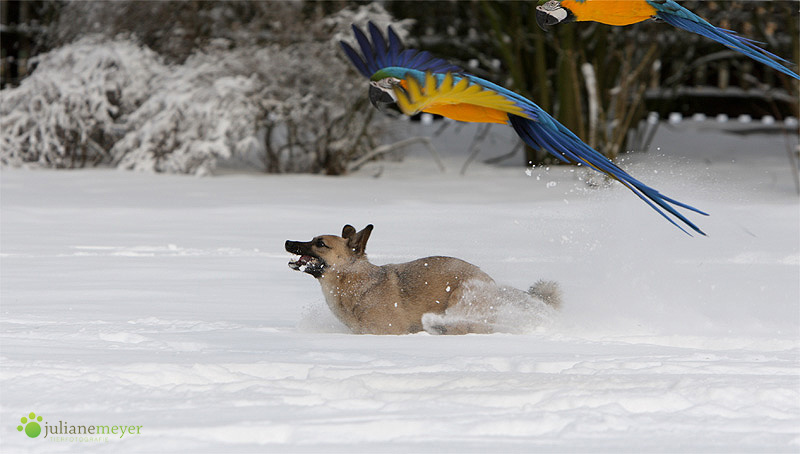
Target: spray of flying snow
x,y
508,310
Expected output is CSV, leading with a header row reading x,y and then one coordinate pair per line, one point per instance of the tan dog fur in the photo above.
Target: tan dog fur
x,y
394,298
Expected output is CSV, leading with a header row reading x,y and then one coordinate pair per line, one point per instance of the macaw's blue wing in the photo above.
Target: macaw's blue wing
x,y
678,16
428,84
550,135
379,54
470,98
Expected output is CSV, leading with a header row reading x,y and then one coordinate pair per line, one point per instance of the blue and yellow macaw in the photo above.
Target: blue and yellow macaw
x,y
626,12
417,82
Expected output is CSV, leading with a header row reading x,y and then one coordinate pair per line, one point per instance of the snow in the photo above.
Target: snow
x,y
57,116
115,102
166,302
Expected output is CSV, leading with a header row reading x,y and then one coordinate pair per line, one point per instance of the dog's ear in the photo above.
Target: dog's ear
x,y
358,242
348,231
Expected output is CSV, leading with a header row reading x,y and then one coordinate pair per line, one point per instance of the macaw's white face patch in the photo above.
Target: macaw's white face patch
x,y
552,5
387,86
554,11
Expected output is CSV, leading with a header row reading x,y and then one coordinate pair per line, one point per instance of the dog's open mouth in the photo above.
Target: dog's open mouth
x,y
302,263
306,262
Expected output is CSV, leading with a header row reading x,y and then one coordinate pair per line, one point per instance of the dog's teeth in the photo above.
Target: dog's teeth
x,y
302,263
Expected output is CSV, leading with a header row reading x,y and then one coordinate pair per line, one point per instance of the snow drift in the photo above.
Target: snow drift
x,y
166,302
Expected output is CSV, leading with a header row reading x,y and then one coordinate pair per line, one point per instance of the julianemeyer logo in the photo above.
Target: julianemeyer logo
x,y
32,426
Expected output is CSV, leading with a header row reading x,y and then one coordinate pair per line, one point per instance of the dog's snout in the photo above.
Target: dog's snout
x,y
297,247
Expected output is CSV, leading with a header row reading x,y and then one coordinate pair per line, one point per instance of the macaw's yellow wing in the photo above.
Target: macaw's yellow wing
x,y
461,100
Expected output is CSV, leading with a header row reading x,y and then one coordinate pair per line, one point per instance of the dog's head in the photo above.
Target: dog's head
x,y
329,251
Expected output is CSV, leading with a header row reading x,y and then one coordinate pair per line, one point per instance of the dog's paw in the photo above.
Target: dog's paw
x,y
439,324
434,324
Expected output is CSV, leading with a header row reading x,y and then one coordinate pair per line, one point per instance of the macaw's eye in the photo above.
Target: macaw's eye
x,y
319,243
385,84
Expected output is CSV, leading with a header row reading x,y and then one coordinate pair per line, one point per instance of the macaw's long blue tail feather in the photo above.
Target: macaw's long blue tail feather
x,y
566,146
695,24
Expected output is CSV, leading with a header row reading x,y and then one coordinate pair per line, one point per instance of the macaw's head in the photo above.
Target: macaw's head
x,y
382,86
551,13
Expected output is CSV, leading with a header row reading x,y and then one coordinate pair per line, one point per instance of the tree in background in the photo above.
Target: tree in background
x,y
264,84
601,81
254,83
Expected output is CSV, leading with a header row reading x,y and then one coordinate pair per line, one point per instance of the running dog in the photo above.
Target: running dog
x,y
440,295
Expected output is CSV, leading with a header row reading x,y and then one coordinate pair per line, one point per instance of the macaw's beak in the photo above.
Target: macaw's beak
x,y
380,98
547,15
542,19
383,101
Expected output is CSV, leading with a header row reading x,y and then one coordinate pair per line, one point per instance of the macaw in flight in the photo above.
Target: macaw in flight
x,y
626,12
416,82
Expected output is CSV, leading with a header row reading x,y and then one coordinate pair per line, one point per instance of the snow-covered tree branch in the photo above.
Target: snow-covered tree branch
x,y
293,105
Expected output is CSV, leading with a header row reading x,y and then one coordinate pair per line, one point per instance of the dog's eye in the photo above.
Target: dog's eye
x,y
320,243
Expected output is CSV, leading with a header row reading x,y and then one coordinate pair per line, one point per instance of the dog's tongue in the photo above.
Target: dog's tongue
x,y
305,259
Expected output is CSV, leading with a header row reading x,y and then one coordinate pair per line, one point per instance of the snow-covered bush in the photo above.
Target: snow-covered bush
x,y
65,113
317,114
201,111
293,105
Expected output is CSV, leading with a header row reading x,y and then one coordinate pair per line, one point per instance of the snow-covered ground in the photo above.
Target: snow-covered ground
x,y
166,302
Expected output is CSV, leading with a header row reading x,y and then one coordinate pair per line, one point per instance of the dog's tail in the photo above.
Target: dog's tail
x,y
547,291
